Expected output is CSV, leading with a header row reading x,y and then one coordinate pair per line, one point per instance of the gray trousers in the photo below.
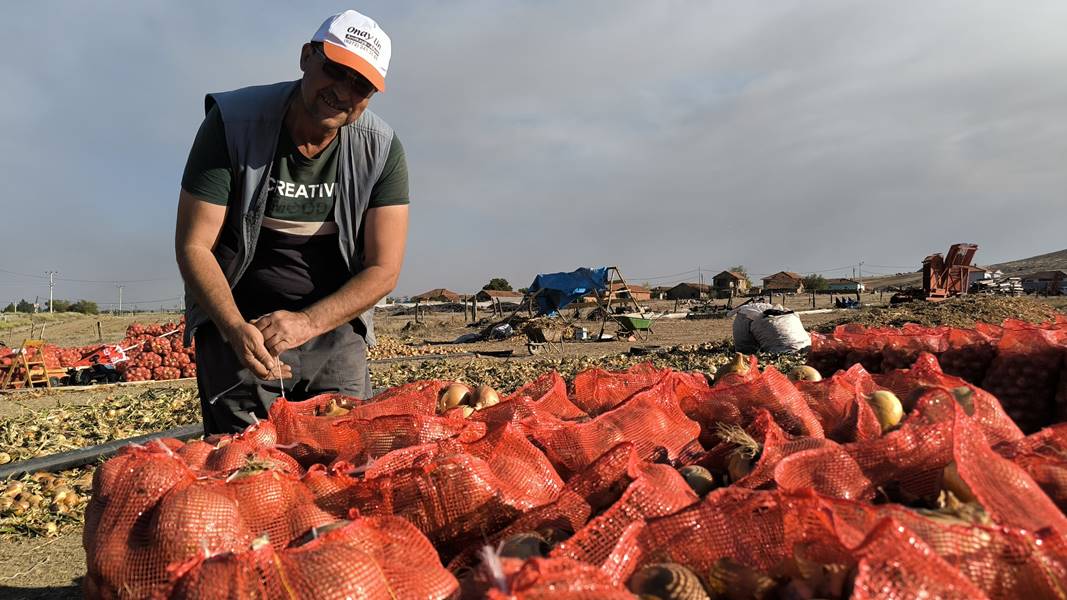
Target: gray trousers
x,y
335,361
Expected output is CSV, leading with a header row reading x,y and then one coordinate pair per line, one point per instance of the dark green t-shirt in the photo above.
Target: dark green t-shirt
x,y
208,175
297,259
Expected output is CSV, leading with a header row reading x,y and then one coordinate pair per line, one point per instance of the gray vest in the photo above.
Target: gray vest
x,y
253,118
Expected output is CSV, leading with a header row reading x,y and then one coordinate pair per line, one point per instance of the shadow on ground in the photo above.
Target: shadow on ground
x,y
74,590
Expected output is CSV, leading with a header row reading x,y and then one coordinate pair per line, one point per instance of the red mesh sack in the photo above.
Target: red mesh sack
x,y
894,564
453,498
655,490
862,345
1024,376
384,434
901,348
149,510
827,353
368,558
1003,562
773,392
310,438
1044,457
839,404
548,393
968,353
558,579
415,398
595,488
597,391
652,420
983,407
256,444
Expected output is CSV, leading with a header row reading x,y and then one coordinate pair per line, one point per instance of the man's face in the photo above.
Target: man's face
x,y
333,95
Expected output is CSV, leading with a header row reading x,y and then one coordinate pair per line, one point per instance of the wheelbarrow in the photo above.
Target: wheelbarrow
x,y
639,327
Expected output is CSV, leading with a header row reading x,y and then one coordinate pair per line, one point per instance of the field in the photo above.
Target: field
x,y
38,565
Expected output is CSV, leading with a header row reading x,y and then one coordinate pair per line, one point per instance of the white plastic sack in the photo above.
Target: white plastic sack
x,y
743,316
780,333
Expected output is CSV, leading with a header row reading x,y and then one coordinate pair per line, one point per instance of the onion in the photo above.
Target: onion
x,y
738,466
467,411
887,407
738,365
452,396
699,479
805,373
668,581
524,545
484,397
951,481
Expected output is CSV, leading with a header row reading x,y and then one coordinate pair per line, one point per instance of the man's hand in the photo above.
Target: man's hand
x,y
283,330
247,344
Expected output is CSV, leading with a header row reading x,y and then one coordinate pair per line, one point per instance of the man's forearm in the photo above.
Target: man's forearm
x,y
205,279
355,297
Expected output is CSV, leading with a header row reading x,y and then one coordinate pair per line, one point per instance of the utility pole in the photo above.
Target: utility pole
x,y
51,284
120,296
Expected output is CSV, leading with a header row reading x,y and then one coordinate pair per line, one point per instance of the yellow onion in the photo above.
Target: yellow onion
x,y
805,373
887,407
484,397
452,396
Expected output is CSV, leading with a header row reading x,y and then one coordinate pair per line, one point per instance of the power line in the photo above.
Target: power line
x,y
107,281
635,278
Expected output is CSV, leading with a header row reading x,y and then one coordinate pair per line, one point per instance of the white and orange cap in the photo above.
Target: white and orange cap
x,y
355,41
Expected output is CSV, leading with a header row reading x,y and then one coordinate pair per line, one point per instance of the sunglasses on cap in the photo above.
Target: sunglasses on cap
x,y
359,84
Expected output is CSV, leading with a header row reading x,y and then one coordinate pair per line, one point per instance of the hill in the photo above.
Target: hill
x,y
1042,262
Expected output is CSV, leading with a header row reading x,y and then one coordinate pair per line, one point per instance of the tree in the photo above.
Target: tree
x,y
24,306
10,307
740,270
59,305
499,284
815,283
87,307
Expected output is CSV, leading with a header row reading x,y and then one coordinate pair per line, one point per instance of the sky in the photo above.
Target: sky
x,y
672,139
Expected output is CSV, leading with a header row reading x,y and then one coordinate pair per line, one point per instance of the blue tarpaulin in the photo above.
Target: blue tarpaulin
x,y
560,289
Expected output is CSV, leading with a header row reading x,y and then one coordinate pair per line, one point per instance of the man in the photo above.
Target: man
x,y
291,226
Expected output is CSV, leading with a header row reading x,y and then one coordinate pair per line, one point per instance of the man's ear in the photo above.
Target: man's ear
x,y
305,56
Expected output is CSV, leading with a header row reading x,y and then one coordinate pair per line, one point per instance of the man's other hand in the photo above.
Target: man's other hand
x,y
247,344
283,330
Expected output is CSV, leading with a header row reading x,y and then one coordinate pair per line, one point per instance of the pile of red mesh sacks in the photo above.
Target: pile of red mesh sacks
x,y
1024,365
156,353
575,491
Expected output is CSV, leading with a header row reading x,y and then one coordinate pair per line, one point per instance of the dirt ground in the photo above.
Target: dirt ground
x,y
73,329
42,569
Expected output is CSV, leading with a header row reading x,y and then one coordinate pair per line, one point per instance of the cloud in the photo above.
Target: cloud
x,y
544,136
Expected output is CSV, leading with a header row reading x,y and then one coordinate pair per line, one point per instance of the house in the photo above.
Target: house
x,y
978,274
844,286
689,291
783,281
660,292
1045,282
501,295
619,290
730,283
437,295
